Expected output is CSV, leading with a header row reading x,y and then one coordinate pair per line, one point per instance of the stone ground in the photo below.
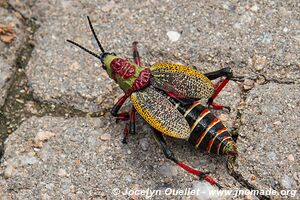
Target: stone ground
x,y
60,140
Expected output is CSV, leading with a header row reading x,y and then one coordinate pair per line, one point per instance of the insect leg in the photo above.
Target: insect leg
x,y
132,121
227,72
125,132
136,55
123,116
169,154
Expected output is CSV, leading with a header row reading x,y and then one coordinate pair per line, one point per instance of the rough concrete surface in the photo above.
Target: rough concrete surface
x,y
8,52
270,137
82,157
38,162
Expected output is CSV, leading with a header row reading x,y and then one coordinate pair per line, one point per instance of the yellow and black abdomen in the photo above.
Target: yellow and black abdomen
x,y
207,131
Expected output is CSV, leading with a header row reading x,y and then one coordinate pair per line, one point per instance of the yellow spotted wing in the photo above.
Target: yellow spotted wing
x,y
160,113
181,81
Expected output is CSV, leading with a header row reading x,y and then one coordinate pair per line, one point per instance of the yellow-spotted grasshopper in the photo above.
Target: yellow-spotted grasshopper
x,y
167,96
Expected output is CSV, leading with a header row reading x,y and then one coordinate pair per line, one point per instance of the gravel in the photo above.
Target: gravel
x,y
60,73
75,163
270,137
84,158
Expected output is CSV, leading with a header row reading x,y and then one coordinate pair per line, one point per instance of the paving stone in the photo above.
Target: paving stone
x,y
60,73
74,162
237,36
270,137
5,75
51,158
8,52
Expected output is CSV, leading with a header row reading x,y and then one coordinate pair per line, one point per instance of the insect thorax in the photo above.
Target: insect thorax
x,y
127,75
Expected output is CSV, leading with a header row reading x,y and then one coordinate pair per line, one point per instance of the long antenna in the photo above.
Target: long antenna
x,y
83,48
91,26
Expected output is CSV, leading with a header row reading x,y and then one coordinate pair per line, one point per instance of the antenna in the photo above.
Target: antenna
x,y
83,48
95,36
92,28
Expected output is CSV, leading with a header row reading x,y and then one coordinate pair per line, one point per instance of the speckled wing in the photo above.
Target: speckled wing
x,y
181,81
160,113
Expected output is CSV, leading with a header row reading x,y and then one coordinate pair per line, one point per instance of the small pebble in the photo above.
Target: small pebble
x,y
105,137
133,197
260,80
248,197
173,36
128,179
272,156
253,178
286,182
30,107
259,62
144,144
266,38
277,123
77,162
203,190
168,170
248,84
291,158
62,172
42,136
254,8
9,171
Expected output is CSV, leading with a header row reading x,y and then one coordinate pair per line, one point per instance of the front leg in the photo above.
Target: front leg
x,y
123,116
130,128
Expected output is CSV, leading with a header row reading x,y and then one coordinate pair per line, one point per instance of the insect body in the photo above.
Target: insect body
x,y
181,85
207,132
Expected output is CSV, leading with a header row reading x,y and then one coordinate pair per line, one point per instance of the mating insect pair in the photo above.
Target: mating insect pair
x,y
168,97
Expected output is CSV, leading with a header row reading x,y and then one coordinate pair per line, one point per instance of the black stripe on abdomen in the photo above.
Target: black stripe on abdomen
x,y
210,134
201,127
194,114
218,140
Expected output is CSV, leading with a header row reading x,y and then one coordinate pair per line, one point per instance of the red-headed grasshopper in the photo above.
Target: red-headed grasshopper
x,y
167,96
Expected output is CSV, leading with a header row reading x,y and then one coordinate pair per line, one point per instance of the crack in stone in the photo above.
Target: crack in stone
x,y
230,166
266,80
27,48
11,113
239,178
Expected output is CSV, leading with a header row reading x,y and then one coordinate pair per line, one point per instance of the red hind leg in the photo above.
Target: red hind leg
x,y
219,86
169,154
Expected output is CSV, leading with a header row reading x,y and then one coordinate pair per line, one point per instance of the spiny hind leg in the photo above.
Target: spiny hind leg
x,y
170,155
227,73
